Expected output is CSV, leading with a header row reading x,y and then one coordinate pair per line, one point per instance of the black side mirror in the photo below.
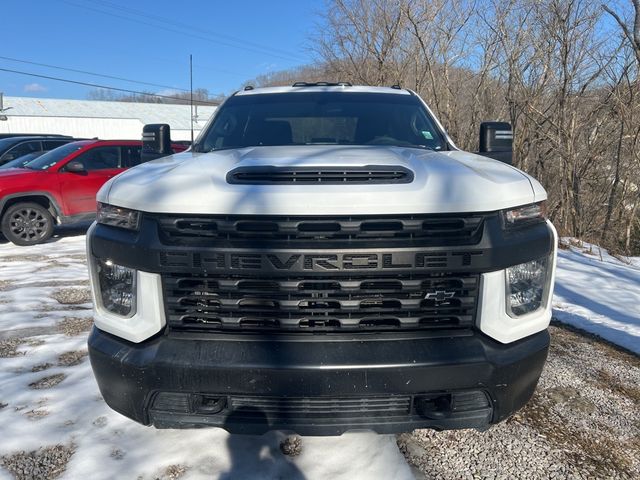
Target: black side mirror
x,y
75,167
156,141
496,141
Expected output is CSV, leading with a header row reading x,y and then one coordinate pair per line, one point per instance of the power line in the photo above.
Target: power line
x,y
93,73
106,87
262,51
189,27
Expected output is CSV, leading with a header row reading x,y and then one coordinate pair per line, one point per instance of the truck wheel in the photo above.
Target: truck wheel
x,y
27,224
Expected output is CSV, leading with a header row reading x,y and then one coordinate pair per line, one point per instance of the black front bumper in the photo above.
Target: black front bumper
x,y
318,385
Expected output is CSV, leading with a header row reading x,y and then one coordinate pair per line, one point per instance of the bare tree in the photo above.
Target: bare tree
x,y
632,33
201,96
361,40
306,73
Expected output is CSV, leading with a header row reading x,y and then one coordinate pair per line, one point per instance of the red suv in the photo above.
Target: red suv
x,y
60,187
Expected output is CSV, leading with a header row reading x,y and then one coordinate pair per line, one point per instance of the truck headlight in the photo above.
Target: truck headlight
x,y
117,287
528,286
118,216
527,214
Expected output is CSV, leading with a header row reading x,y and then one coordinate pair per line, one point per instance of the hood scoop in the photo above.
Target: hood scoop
x,y
368,174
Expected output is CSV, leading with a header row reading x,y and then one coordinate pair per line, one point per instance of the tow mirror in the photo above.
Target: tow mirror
x,y
496,141
156,141
75,167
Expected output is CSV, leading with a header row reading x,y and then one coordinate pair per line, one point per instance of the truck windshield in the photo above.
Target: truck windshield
x,y
322,118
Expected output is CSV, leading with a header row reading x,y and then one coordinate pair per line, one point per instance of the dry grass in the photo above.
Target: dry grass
x,y
69,359
25,258
72,326
72,296
46,463
41,367
9,347
37,414
173,472
609,382
600,455
48,382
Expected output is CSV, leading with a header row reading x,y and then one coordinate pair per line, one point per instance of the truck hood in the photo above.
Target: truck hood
x,y
443,182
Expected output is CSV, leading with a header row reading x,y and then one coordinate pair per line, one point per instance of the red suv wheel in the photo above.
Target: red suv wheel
x,y
27,224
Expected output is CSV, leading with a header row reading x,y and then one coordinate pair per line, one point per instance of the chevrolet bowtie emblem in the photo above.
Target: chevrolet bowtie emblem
x,y
439,295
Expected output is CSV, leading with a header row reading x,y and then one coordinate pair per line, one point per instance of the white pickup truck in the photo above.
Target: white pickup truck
x,y
324,258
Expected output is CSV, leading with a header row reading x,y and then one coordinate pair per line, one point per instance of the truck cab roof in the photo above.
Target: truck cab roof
x,y
303,87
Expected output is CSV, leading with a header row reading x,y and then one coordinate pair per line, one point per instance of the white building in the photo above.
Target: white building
x,y
105,120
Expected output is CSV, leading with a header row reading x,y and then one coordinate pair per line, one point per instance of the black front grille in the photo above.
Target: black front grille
x,y
371,174
245,406
321,407
211,230
310,303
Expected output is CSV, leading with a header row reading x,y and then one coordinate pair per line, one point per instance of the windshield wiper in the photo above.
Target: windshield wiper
x,y
423,147
227,148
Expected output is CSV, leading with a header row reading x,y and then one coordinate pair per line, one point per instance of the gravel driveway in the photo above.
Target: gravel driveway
x,y
583,422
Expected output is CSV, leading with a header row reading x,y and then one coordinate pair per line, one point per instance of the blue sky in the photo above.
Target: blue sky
x,y
150,41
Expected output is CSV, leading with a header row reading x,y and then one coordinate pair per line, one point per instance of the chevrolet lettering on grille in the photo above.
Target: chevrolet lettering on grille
x,y
299,262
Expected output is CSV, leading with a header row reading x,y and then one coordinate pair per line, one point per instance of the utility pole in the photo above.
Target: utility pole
x,y
3,117
191,92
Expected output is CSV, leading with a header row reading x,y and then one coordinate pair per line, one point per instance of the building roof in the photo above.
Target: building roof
x,y
178,116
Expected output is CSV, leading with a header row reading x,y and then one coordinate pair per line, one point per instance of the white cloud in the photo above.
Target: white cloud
x,y
34,87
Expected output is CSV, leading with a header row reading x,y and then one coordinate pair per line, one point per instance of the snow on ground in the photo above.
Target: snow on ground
x,y
599,293
48,396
